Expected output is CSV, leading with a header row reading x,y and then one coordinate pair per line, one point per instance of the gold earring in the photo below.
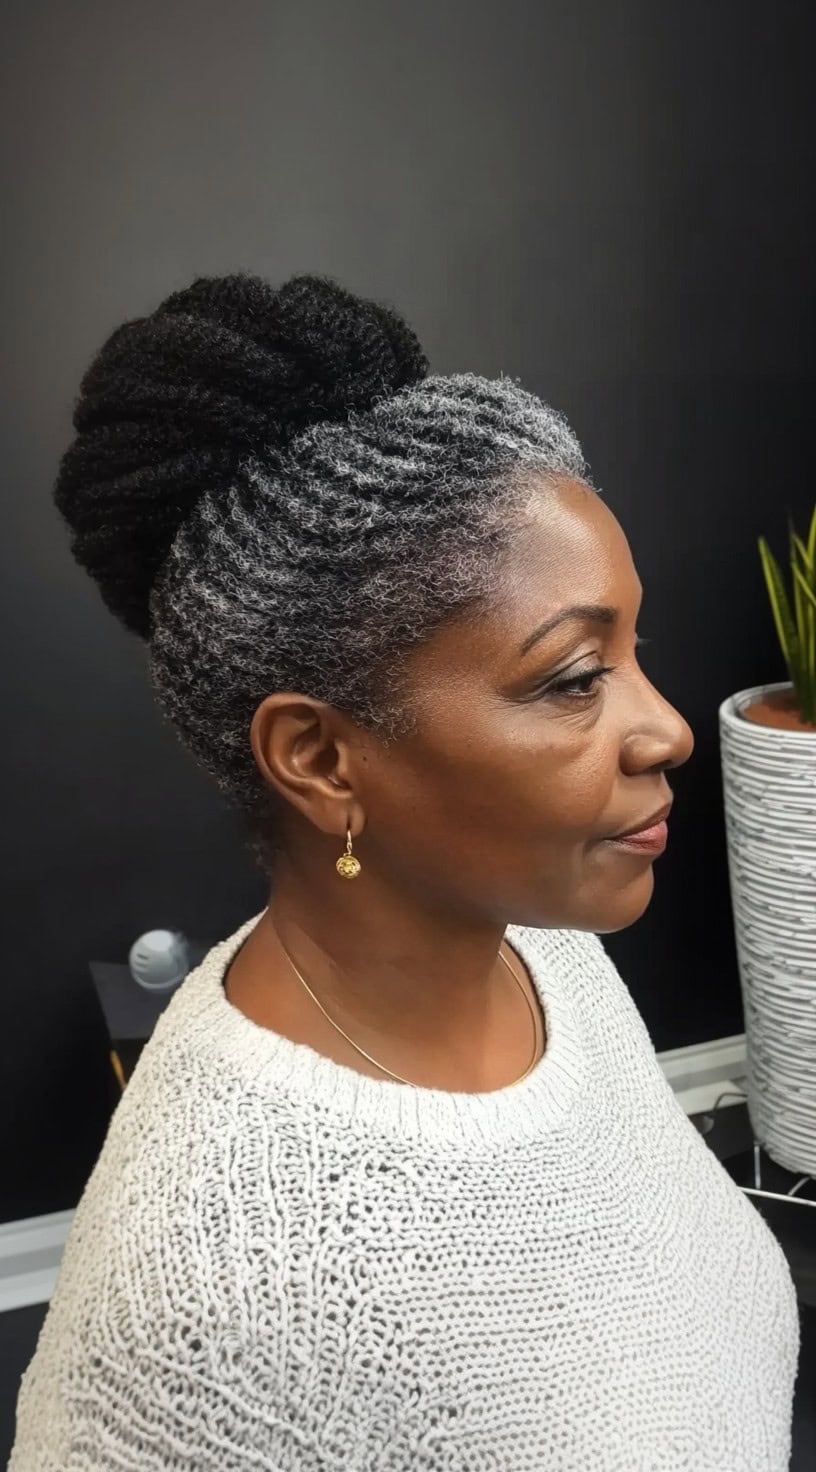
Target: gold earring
x,y
347,865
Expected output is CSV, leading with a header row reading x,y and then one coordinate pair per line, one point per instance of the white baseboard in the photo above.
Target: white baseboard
x,y
31,1250
30,1255
700,1073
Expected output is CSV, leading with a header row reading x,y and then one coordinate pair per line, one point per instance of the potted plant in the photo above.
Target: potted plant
x,y
768,750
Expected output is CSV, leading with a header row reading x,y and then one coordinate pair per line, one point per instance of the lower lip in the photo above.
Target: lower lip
x,y
652,841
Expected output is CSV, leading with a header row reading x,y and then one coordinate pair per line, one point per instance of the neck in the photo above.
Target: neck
x,y
382,966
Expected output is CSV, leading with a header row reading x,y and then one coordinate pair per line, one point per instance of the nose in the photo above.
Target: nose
x,y
657,737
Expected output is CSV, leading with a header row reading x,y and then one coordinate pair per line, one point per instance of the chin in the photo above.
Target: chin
x,y
625,906
599,908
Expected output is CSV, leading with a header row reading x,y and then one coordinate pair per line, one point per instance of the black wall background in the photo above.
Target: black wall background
x,y
611,202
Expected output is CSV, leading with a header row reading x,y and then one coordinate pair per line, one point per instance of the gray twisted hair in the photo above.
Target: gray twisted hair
x,y
268,488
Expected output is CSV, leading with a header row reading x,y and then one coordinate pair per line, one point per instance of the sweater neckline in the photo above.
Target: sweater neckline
x,y
201,1014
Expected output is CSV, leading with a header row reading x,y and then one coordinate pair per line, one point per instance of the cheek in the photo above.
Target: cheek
x,y
521,771
579,787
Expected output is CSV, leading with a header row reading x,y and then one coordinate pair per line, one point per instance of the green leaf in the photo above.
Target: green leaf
x,y
800,547
802,583
807,600
799,607
795,616
780,606
812,540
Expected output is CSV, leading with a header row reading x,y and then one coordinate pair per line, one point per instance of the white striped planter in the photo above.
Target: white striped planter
x,y
769,780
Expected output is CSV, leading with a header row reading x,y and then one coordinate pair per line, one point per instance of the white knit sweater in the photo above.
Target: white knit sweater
x,y
280,1263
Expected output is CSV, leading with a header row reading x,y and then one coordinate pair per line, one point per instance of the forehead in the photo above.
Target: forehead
x,y
572,550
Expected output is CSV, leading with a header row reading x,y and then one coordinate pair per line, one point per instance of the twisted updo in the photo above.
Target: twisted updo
x,y
268,488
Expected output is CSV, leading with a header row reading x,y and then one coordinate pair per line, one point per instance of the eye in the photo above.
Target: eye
x,y
585,686
581,687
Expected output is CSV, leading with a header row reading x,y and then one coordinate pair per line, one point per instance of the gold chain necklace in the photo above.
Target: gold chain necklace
x,y
382,1066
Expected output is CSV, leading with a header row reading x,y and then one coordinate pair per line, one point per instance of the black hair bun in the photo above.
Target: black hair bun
x,y
228,367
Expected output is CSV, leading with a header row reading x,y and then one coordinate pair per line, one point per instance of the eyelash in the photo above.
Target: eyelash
x,y
567,687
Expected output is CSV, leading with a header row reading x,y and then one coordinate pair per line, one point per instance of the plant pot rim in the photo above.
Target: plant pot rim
x,y
733,706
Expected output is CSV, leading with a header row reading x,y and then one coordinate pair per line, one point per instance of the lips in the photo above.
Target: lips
x,y
649,844
645,829
648,838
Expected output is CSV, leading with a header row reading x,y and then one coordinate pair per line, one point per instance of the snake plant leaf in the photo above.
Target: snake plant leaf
x,y
811,544
802,583
783,619
795,618
806,684
799,546
799,607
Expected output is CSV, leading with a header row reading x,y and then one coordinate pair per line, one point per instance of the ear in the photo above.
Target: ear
x,y
304,749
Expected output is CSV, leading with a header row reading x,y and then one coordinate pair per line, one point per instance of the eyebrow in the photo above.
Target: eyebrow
x,y
593,613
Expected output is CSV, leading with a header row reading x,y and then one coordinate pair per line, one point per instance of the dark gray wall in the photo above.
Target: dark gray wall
x,y
612,202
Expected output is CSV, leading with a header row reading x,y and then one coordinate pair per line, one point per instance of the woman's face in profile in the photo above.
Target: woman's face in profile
x,y
526,759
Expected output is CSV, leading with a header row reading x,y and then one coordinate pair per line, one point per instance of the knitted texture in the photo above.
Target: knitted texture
x,y
281,1264
266,486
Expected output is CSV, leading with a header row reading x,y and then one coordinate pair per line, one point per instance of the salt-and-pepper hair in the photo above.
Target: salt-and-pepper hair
x,y
269,489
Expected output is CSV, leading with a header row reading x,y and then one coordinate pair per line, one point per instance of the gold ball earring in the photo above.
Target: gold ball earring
x,y
347,865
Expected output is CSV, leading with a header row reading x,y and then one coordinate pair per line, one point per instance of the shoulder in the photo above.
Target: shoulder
x,y
581,963
151,1325
566,949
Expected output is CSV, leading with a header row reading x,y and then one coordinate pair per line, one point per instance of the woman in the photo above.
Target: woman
x,y
398,1182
